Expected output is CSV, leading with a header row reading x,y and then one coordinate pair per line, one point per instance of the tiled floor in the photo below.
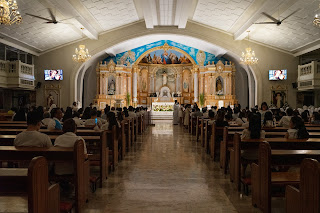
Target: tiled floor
x,y
166,171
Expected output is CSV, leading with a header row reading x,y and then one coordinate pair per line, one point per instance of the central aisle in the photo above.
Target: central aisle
x,y
167,172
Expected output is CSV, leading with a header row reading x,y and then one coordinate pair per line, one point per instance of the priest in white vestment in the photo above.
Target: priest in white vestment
x,y
176,113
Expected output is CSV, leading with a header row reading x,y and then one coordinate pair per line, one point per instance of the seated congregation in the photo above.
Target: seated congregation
x,y
266,152
54,157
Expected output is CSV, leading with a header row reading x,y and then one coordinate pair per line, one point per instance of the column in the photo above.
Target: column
x,y
135,85
103,84
196,87
201,83
129,85
98,83
107,84
181,81
150,83
117,84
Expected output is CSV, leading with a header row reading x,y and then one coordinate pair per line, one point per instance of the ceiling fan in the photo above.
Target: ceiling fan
x,y
53,19
278,22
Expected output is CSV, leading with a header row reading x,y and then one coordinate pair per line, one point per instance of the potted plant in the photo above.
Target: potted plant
x,y
128,99
201,99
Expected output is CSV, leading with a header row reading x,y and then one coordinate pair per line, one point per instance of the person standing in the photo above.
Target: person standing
x,y
176,113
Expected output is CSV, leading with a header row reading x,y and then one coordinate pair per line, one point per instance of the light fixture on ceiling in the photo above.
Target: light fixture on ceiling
x,y
9,13
249,57
82,55
316,20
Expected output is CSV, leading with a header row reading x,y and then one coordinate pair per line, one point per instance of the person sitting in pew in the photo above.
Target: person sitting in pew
x,y
241,119
76,118
253,132
297,129
315,118
56,115
197,113
99,117
111,121
268,121
220,122
205,112
93,121
211,117
68,139
285,120
132,114
46,118
32,137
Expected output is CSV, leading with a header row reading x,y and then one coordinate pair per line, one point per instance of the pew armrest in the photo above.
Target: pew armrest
x,y
255,180
292,200
54,199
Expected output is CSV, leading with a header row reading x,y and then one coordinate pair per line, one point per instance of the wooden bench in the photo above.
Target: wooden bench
x,y
76,155
263,179
253,144
306,199
34,182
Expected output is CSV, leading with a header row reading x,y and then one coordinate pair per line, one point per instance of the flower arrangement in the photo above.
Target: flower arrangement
x,y
163,108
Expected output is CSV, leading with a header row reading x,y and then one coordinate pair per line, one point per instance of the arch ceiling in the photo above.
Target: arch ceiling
x,y
295,35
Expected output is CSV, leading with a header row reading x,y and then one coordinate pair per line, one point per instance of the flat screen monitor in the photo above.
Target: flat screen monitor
x,y
53,75
275,75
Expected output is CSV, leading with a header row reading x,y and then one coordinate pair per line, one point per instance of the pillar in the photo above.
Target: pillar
x,y
117,84
201,83
176,80
150,80
154,82
135,85
196,86
98,83
106,80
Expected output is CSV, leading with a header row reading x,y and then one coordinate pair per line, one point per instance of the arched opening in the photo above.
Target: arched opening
x,y
246,89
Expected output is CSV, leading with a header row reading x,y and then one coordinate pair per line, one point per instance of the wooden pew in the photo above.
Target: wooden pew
x,y
253,144
34,182
57,154
306,199
263,179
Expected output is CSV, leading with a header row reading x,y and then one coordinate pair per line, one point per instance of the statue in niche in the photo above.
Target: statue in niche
x,y
144,85
50,100
111,88
219,87
164,78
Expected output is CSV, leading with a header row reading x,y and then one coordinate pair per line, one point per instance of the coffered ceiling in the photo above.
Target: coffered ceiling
x,y
296,34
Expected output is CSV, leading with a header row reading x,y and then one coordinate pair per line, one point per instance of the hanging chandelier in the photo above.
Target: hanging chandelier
x,y
249,57
82,55
316,20
9,13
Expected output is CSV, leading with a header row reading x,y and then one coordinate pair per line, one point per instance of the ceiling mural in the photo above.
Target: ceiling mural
x,y
165,55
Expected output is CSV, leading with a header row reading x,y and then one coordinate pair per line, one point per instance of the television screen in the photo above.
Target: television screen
x,y
51,75
275,75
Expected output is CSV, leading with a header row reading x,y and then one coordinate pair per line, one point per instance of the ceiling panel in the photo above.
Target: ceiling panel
x,y
34,32
110,14
295,32
221,14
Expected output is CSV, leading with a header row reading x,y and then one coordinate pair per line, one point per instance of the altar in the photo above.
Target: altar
x,y
162,111
163,72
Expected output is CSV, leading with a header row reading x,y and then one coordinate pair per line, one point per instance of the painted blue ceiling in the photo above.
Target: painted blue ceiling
x,y
129,57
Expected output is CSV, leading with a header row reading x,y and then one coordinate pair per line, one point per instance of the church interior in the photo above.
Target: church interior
x,y
159,106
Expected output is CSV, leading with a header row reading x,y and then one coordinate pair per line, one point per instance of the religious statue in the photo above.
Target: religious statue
x,y
164,78
111,88
219,88
50,100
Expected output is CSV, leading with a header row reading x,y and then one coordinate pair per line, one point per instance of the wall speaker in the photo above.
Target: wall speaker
x,y
295,85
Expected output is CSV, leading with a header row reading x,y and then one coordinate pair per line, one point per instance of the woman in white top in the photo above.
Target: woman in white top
x,y
76,118
264,108
297,129
285,120
187,115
